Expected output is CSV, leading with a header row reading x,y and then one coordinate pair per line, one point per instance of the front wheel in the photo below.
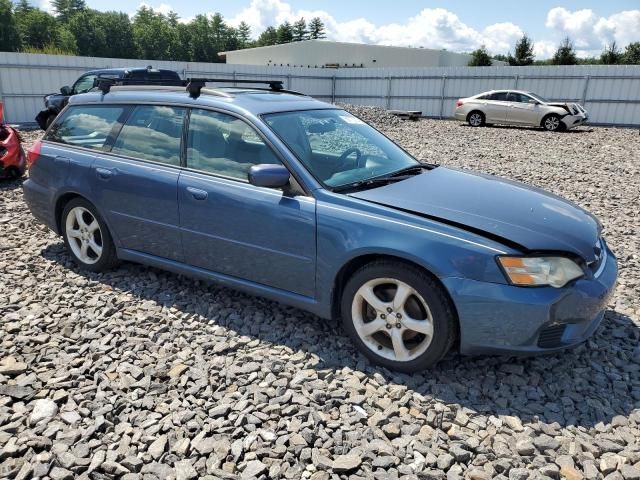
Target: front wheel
x,y
398,316
552,123
86,236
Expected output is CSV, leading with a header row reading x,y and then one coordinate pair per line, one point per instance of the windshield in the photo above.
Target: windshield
x,y
338,148
538,97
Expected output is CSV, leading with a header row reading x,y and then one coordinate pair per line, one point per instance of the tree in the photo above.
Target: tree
x,y
37,29
316,29
66,41
119,32
300,32
9,33
480,58
611,55
91,39
565,54
285,33
67,8
632,54
202,48
523,52
244,34
152,34
268,37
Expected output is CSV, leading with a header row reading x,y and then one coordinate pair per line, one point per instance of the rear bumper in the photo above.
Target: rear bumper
x,y
40,202
503,319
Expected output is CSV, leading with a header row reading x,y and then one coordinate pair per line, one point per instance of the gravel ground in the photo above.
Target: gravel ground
x,y
140,373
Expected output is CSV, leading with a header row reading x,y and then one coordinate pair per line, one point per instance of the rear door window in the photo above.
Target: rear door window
x,y
499,96
152,132
86,126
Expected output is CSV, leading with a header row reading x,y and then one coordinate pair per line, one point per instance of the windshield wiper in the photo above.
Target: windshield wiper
x,y
396,176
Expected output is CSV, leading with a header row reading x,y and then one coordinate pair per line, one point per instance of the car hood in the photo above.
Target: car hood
x,y
510,211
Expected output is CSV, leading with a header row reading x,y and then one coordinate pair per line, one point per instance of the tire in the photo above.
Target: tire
x,y
13,173
552,123
476,119
386,336
100,255
49,120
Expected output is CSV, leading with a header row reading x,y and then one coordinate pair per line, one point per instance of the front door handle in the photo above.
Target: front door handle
x,y
104,173
197,193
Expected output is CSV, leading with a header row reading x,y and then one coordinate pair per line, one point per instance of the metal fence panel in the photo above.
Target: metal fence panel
x,y
611,93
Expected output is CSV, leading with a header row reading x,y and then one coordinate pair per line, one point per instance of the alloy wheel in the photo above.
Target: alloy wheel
x,y
392,319
475,119
552,123
84,235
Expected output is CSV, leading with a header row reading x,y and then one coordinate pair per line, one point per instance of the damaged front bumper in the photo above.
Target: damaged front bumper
x,y
578,116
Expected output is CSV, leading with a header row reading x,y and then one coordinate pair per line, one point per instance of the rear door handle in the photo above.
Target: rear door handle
x,y
197,193
104,173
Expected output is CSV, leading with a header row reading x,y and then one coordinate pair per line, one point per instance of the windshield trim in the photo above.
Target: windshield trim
x,y
301,163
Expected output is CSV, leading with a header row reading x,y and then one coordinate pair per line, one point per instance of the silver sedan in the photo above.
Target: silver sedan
x,y
516,107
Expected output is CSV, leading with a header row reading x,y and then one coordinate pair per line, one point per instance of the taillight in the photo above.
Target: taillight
x,y
459,103
33,153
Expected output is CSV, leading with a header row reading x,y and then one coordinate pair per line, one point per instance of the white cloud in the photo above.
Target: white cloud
x,y
47,6
591,33
163,8
430,28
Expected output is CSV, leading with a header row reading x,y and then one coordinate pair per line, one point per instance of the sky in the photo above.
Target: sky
x,y
456,25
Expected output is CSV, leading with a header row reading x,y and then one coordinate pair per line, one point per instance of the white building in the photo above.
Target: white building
x,y
323,53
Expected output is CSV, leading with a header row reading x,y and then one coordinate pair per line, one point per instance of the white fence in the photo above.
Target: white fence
x,y
611,93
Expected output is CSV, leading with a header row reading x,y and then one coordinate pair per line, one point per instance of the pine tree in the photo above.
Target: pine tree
x,y
523,52
632,53
565,54
244,34
9,34
300,32
268,37
285,33
316,29
67,8
611,55
480,58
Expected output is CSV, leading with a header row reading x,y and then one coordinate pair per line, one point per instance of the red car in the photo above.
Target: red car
x,y
12,158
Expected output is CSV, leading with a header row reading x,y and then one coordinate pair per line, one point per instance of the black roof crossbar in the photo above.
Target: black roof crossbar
x,y
104,83
194,85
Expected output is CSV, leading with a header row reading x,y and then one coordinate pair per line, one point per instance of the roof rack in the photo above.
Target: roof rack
x,y
193,85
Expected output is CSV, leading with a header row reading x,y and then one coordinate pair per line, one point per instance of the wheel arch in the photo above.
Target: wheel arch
x,y
476,110
355,263
560,114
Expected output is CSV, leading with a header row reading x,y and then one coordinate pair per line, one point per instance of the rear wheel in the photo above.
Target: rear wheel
x,y
476,119
86,236
398,316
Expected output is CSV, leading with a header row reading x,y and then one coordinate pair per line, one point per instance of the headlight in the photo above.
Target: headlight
x,y
535,271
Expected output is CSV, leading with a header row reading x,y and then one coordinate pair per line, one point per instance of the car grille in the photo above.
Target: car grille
x,y
551,336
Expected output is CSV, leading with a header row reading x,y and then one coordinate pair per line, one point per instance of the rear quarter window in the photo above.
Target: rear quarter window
x,y
86,126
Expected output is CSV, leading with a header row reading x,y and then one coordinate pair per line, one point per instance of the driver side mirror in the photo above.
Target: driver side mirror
x,y
269,175
66,90
533,101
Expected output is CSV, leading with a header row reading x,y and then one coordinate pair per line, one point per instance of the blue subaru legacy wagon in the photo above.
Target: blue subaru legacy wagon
x,y
299,201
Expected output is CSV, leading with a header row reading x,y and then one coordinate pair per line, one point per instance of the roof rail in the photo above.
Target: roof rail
x,y
194,85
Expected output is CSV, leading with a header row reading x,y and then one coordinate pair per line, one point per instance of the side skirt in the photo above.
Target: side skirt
x,y
299,301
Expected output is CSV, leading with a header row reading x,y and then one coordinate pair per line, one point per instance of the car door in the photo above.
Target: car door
x,y
229,226
522,109
136,181
495,107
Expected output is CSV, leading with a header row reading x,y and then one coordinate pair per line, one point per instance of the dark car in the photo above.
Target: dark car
x,y
55,102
